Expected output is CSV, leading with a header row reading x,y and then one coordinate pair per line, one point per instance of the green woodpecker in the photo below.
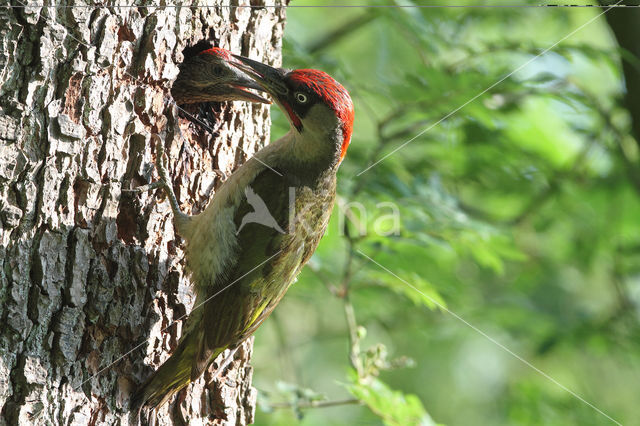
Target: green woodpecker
x,y
208,77
263,224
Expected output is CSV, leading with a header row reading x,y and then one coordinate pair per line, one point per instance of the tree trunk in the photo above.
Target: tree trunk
x,y
90,276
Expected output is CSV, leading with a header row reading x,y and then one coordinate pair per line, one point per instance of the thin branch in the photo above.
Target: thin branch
x,y
342,31
316,404
286,357
350,316
354,339
326,281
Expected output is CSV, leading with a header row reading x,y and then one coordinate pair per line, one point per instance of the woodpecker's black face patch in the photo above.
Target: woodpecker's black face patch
x,y
308,87
301,101
298,102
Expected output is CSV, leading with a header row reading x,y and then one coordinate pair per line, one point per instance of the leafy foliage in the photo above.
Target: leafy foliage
x,y
394,407
518,201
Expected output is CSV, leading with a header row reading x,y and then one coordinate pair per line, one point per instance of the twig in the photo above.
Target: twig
x,y
354,339
316,404
350,315
341,32
284,348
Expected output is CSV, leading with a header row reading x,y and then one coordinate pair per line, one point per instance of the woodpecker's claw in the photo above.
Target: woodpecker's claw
x,y
161,164
145,188
181,220
164,182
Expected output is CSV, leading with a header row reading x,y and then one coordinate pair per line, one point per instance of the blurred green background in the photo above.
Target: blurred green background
x,y
519,213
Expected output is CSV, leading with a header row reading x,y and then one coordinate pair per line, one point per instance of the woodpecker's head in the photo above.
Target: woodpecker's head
x,y
317,106
209,77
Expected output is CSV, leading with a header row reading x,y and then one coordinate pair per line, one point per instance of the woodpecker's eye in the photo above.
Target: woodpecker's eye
x,y
217,71
301,97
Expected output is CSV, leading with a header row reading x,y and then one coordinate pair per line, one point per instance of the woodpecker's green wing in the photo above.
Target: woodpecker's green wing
x,y
226,309
244,294
267,260
256,275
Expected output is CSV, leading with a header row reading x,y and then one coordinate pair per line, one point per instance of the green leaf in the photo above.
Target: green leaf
x,y
418,290
393,407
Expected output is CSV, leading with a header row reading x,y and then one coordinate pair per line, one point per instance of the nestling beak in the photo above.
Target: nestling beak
x,y
243,82
269,78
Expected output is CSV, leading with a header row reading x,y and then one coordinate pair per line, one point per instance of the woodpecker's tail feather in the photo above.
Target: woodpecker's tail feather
x,y
170,378
186,364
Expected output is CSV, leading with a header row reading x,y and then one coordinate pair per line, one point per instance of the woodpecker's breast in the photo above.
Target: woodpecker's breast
x,y
298,199
211,240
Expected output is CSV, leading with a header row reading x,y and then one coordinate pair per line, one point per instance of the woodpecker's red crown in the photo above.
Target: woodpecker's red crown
x,y
298,91
220,53
331,93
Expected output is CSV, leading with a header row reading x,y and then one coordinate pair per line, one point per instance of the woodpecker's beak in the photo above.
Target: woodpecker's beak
x,y
272,81
269,78
243,82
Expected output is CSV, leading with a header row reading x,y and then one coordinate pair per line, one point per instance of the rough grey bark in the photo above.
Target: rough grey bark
x,y
87,271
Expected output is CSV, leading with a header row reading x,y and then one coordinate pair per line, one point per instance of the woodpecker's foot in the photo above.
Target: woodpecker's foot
x,y
221,174
145,188
161,164
163,173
